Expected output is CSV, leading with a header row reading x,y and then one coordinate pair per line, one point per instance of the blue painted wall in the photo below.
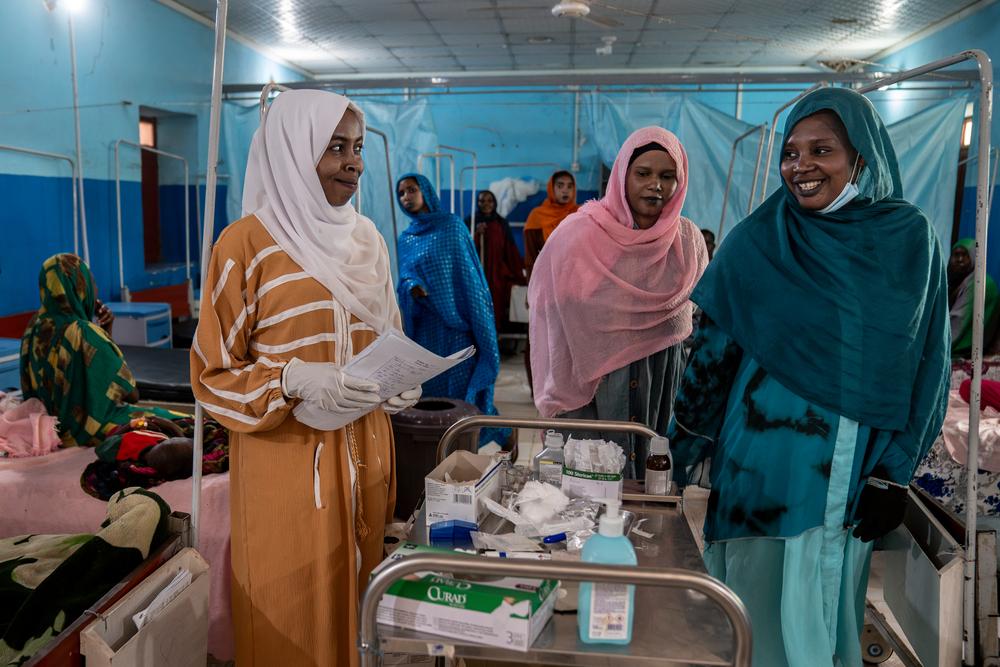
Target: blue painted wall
x,y
138,51
980,30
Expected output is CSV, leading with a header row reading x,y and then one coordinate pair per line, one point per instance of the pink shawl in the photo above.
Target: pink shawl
x,y
603,295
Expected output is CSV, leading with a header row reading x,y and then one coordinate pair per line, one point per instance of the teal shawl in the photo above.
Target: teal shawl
x,y
847,310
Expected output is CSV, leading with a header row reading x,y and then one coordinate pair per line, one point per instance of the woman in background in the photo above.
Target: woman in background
x,y
444,298
961,281
560,202
502,262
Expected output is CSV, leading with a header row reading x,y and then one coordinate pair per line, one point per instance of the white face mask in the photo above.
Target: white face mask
x,y
849,192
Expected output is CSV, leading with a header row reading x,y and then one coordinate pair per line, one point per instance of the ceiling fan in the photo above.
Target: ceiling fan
x,y
581,9
571,9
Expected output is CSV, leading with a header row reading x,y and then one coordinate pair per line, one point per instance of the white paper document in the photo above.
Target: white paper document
x,y
180,581
396,363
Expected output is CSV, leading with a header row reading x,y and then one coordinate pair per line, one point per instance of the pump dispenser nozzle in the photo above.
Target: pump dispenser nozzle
x,y
612,523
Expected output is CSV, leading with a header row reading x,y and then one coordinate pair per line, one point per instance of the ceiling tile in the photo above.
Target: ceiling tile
x,y
664,33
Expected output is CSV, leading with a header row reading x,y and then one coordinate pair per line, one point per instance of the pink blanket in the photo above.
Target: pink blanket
x,y
26,429
42,495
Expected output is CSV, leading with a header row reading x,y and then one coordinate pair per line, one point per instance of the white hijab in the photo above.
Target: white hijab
x,y
336,245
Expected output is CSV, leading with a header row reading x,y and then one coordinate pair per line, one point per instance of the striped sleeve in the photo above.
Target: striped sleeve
x,y
239,388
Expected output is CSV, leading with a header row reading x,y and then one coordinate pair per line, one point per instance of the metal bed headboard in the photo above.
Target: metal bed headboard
x,y
78,227
125,294
437,172
762,128
985,112
504,165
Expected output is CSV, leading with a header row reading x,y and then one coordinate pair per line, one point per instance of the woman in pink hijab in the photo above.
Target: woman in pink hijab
x,y
609,296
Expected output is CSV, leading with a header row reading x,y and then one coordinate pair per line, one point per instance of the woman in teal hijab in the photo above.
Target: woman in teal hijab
x,y
817,382
961,278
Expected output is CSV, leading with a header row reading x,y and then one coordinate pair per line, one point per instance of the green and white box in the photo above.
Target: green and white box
x,y
454,490
580,484
508,612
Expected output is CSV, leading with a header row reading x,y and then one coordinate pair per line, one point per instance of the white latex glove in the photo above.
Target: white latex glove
x,y
329,386
405,400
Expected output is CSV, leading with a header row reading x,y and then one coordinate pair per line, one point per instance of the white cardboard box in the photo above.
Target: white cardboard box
x,y
508,612
471,477
177,637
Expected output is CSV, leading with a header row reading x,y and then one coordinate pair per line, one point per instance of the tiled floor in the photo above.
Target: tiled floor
x,y
513,398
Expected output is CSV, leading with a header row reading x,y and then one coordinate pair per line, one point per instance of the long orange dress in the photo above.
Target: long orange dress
x,y
308,507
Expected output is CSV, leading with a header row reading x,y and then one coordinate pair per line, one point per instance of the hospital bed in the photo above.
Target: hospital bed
x,y
64,649
161,374
42,495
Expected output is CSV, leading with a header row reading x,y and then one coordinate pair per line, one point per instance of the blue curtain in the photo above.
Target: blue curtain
x,y
927,144
409,127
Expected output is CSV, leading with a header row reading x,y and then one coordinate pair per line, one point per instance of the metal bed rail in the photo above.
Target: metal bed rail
x,y
437,172
762,128
265,96
125,294
392,188
461,201
447,442
475,169
716,591
985,111
505,165
73,186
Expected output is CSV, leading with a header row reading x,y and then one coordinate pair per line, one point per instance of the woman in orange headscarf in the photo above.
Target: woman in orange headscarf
x,y
542,221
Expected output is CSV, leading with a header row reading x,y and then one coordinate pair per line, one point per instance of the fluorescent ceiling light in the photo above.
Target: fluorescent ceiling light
x,y
74,6
286,19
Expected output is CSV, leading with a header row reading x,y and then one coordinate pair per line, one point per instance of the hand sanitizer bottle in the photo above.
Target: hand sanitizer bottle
x,y
606,611
547,465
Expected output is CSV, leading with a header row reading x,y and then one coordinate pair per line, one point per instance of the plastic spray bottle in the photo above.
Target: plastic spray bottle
x,y
606,611
547,465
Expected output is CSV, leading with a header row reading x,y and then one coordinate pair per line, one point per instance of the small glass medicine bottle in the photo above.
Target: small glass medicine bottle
x,y
658,467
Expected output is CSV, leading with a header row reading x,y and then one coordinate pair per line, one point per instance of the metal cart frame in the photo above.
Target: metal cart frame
x,y
716,591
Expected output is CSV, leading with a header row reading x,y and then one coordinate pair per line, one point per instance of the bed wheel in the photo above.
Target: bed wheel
x,y
874,649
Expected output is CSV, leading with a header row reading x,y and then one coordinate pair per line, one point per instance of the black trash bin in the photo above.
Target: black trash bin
x,y
418,431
